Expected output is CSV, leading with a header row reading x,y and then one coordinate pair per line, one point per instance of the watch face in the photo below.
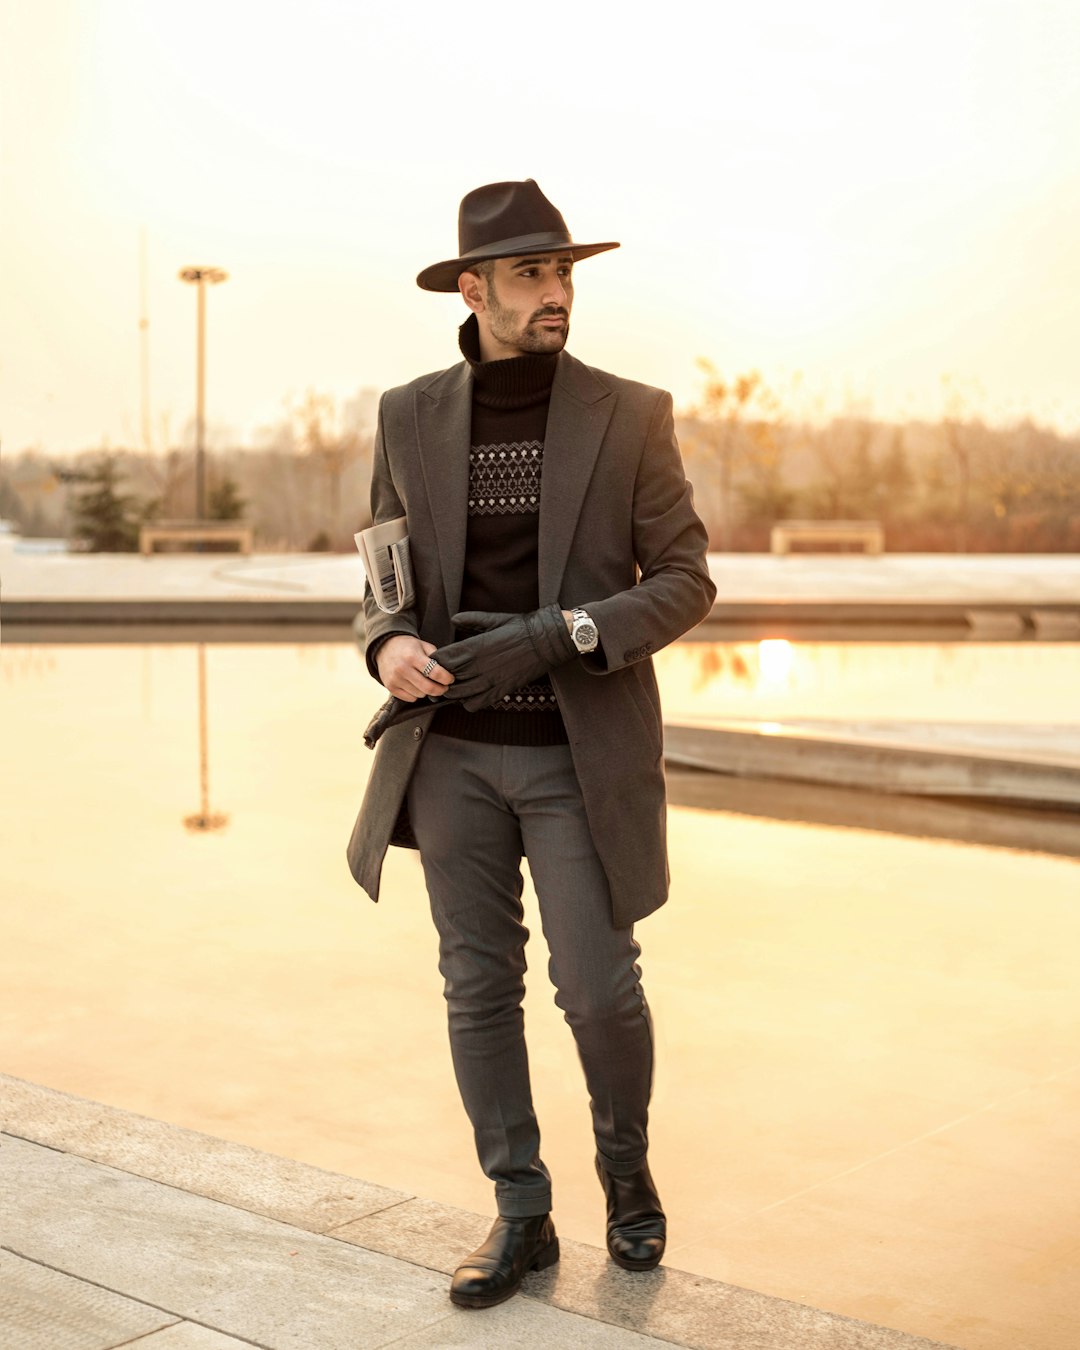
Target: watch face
x,y
585,636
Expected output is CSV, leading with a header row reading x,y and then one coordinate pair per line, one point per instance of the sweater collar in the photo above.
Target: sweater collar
x,y
517,382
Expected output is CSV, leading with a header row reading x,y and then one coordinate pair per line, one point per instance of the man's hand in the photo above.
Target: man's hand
x,y
401,661
504,652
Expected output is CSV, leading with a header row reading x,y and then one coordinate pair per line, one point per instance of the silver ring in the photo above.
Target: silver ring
x,y
432,663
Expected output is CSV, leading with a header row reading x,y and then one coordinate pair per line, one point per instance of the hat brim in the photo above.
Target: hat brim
x,y
443,276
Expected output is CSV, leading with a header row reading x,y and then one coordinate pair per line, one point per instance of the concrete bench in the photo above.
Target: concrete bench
x,y
866,532
195,531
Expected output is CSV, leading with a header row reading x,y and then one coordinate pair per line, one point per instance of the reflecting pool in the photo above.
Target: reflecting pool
x,y
777,679
867,1072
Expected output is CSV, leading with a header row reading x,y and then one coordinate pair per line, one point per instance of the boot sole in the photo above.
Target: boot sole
x,y
541,1260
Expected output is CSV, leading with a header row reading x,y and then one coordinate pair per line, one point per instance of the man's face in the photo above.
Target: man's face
x,y
526,305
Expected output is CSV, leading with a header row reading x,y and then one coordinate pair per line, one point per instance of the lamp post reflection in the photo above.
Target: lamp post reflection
x,y
204,819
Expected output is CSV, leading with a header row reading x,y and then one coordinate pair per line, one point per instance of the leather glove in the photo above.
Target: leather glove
x,y
504,652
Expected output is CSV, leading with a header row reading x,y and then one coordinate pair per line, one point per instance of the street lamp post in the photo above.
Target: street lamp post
x,y
200,276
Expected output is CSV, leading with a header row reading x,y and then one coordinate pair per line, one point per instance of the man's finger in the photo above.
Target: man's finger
x,y
439,675
411,690
432,673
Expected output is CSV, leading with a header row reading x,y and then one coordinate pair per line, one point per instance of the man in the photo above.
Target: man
x,y
555,547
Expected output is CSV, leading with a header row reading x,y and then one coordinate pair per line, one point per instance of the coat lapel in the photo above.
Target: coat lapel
x,y
443,423
578,416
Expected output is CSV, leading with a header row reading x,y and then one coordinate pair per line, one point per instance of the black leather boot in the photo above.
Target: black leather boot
x,y
494,1271
636,1225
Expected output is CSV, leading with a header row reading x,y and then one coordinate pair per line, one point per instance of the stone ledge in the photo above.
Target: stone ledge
x,y
672,1305
896,758
669,1305
800,618
277,1188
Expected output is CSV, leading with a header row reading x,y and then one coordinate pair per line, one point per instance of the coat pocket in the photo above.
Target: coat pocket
x,y
645,707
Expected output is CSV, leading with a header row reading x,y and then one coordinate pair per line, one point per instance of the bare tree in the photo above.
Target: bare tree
x,y
322,435
736,418
849,485
958,445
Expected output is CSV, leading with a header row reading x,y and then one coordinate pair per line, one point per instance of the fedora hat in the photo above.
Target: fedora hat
x,y
504,220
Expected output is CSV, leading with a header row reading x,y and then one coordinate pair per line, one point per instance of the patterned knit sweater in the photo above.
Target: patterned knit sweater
x,y
506,458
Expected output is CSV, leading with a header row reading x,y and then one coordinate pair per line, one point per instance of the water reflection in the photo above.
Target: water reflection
x,y
716,661
204,819
777,680
774,660
19,663
830,1003
145,720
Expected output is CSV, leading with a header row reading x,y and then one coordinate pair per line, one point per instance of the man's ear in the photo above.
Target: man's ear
x,y
472,291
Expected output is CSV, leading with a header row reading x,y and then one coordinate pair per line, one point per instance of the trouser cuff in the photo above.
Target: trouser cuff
x,y
620,1169
527,1206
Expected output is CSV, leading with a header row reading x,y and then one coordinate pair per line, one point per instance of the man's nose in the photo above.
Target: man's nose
x,y
555,293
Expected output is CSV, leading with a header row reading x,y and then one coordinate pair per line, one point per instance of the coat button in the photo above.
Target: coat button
x,y
417,733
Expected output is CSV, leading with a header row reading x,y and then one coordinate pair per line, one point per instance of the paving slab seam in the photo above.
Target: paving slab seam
x,y
145,1335
38,1143
133,1298
149,1335
409,1335
329,1232
478,1314
154,1337
188,1190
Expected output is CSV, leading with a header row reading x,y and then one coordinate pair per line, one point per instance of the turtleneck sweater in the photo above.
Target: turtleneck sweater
x,y
506,455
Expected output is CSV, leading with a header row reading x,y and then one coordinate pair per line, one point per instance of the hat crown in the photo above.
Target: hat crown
x,y
499,211
505,220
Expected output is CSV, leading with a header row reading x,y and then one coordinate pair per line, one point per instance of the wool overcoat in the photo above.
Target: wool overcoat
x,y
618,536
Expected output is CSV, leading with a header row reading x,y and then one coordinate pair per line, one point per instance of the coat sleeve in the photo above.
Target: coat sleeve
x,y
674,591
385,505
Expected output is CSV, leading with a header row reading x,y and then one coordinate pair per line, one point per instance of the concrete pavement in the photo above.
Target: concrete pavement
x,y
119,1230
1034,593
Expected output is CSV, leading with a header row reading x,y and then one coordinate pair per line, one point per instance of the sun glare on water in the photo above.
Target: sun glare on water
x,y
775,659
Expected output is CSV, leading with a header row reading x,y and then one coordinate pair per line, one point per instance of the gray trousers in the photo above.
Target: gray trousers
x,y
476,809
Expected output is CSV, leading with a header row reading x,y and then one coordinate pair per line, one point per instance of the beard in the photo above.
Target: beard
x,y
507,327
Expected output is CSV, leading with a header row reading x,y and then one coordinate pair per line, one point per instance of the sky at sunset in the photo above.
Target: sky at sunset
x,y
872,194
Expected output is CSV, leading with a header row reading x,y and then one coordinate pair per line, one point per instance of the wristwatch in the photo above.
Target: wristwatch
x,y
586,638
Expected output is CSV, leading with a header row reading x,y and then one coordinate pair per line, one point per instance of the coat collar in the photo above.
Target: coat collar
x,y
578,415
